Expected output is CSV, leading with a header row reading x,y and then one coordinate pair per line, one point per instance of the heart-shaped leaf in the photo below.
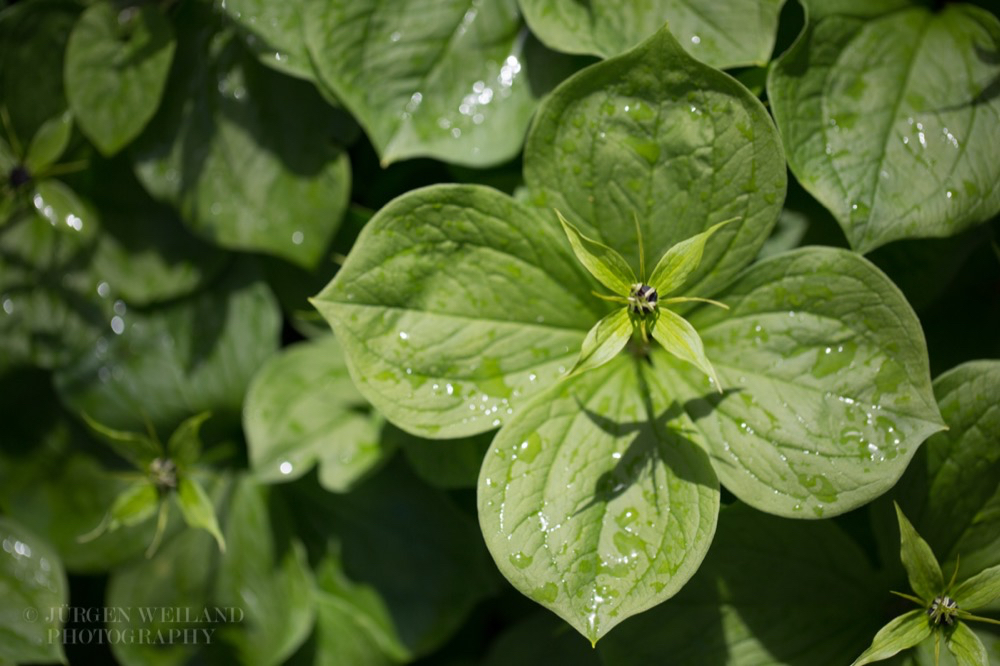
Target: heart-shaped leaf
x,y
229,125
656,135
117,61
721,33
445,82
274,30
889,118
828,390
455,305
592,500
302,409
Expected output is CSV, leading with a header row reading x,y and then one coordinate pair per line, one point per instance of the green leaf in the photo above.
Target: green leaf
x,y
654,134
301,410
380,547
197,509
673,269
137,448
195,355
449,83
608,337
921,566
828,391
117,61
266,575
133,506
593,502
266,173
601,261
966,646
679,338
721,33
888,120
274,31
901,633
62,208
184,445
164,593
822,610
952,490
49,143
979,590
32,42
455,305
33,587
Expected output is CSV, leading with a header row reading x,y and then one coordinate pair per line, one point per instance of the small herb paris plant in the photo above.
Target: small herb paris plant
x,y
944,609
460,309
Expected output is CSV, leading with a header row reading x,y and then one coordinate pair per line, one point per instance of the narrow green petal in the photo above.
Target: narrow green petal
x,y
901,633
680,339
608,337
979,590
921,566
604,263
674,267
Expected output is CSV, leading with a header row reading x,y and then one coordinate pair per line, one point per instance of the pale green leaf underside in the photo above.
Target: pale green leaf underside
x,y
954,500
301,410
254,163
116,73
455,305
608,337
601,261
443,80
901,633
922,568
31,579
721,33
827,384
591,505
891,122
654,134
966,647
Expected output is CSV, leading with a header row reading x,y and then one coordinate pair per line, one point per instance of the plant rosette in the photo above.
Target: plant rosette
x,y
461,310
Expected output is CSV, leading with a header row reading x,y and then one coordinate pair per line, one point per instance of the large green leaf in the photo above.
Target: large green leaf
x,y
891,120
34,591
248,156
414,563
455,305
33,39
165,365
444,80
721,33
821,609
828,391
302,409
952,490
592,500
117,61
274,30
657,135
266,576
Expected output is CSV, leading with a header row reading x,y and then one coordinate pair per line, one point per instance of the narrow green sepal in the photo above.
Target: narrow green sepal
x,y
601,261
138,449
198,510
184,446
604,341
979,590
899,634
921,566
49,143
678,262
134,505
679,338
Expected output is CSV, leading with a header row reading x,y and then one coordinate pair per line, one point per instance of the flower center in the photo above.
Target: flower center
x,y
642,299
943,609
